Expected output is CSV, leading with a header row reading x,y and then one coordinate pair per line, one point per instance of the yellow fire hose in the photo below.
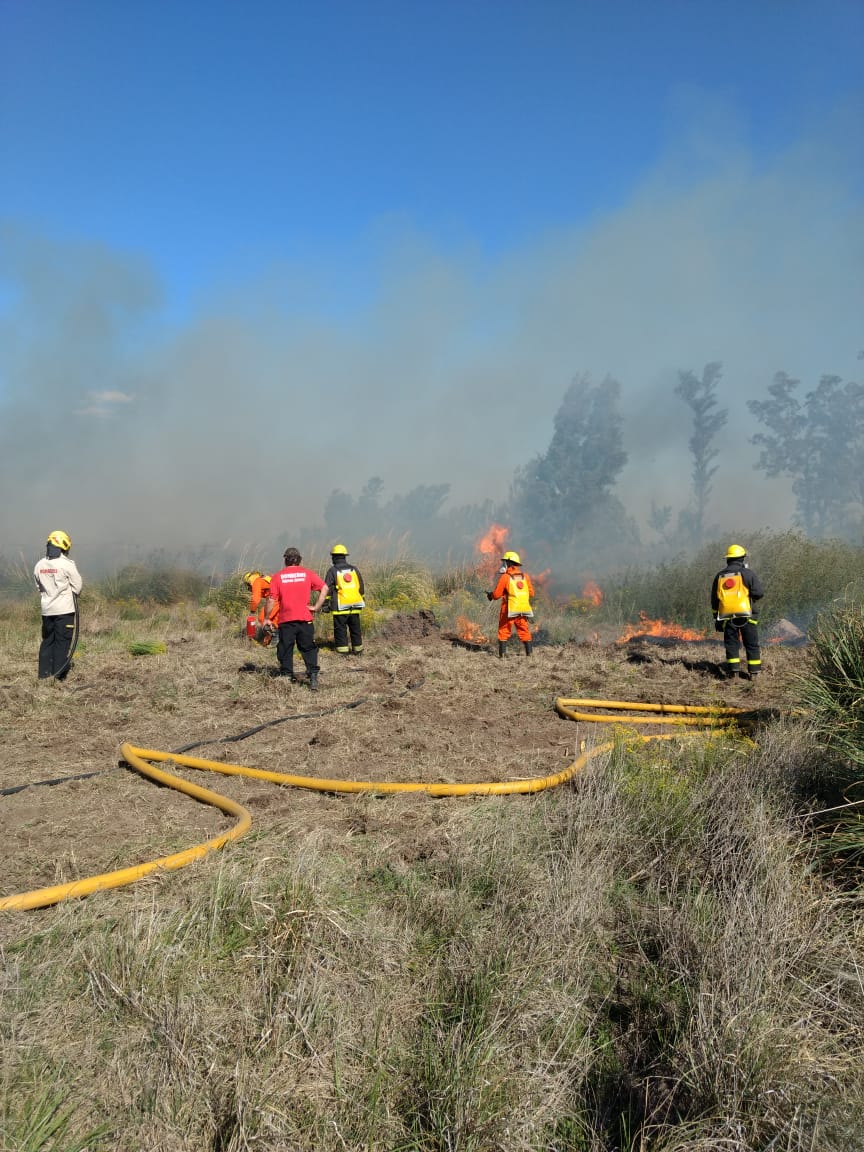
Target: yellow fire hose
x,y
138,759
678,714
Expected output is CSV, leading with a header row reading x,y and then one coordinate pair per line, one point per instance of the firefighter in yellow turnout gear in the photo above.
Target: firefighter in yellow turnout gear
x,y
345,585
734,591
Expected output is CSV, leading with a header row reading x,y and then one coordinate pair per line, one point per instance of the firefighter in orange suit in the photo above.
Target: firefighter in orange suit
x,y
735,590
259,590
514,589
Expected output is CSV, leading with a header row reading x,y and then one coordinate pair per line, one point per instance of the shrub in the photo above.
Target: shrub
x,y
401,584
231,597
833,685
147,648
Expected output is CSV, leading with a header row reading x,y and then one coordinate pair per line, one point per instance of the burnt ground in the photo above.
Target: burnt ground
x,y
415,706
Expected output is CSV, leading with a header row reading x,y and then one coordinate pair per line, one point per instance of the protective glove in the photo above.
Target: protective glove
x,y
719,625
488,595
269,628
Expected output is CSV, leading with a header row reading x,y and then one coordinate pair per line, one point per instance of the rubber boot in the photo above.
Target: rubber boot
x,y
529,647
502,648
313,681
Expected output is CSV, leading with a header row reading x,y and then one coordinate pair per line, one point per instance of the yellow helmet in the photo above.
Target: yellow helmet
x,y
513,557
735,552
60,540
338,550
250,577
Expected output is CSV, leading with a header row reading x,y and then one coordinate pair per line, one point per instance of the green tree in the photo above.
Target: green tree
x,y
819,444
563,501
345,516
417,507
700,396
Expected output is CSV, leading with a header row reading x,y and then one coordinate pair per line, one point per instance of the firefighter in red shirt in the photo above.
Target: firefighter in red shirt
x,y
514,589
290,589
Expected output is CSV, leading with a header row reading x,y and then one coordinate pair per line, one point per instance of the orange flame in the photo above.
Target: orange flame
x,y
592,593
467,630
647,627
490,547
541,580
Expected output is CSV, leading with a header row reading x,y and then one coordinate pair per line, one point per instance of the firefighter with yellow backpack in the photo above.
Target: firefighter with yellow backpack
x,y
514,589
346,592
258,626
735,590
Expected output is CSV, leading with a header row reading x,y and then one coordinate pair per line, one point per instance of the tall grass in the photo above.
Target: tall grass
x,y
833,687
801,577
644,962
832,690
154,585
402,584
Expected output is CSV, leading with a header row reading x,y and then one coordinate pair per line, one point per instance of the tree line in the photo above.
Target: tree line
x,y
563,504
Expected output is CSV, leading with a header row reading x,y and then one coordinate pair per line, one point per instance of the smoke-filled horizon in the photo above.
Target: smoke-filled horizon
x,y
133,430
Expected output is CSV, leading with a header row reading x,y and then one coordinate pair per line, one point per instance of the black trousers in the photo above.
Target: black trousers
x,y
735,630
301,633
57,633
345,624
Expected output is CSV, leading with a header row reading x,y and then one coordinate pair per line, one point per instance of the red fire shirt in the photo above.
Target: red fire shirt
x,y
291,588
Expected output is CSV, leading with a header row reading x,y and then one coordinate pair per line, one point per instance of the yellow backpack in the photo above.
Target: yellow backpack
x,y
733,596
348,598
518,598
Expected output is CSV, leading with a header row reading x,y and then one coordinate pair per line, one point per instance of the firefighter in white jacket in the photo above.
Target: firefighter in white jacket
x,y
59,583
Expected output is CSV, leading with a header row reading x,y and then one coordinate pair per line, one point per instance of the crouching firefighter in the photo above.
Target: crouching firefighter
x,y
735,590
514,589
260,627
346,591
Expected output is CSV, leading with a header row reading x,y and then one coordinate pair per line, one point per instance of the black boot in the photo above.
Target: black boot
x,y
313,681
502,647
529,647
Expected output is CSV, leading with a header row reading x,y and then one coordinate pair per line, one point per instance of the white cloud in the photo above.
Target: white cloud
x,y
111,397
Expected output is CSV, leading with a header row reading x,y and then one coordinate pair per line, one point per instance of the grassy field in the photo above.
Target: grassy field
x,y
665,954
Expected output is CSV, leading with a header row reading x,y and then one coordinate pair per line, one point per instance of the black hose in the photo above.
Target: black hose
x,y
50,783
295,716
75,630
219,740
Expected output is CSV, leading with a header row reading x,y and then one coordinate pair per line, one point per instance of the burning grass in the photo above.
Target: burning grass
x,y
648,627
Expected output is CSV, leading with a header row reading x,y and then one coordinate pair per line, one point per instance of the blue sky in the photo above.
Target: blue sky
x,y
378,186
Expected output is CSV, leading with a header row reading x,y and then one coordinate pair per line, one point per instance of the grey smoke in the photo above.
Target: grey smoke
x,y
130,430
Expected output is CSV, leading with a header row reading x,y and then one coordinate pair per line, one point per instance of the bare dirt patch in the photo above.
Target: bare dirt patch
x,y
414,707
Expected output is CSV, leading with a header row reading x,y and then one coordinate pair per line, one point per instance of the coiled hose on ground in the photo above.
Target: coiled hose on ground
x,y
139,759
